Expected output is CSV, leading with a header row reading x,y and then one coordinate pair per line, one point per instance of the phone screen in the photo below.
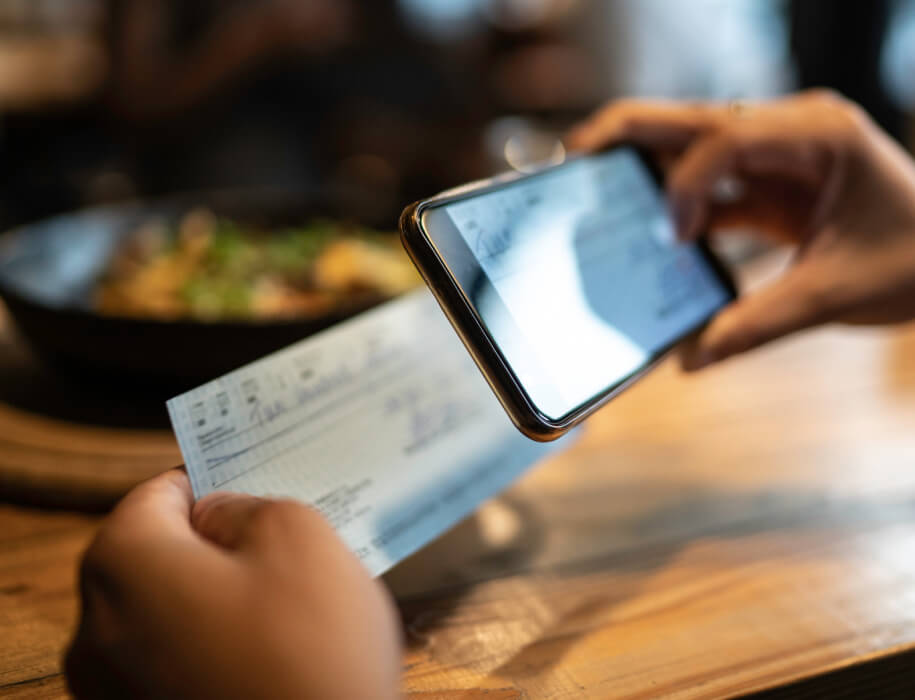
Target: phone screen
x,y
576,275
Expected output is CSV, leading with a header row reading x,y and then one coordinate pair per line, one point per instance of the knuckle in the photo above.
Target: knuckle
x,y
855,115
605,108
617,106
825,95
848,110
600,116
620,114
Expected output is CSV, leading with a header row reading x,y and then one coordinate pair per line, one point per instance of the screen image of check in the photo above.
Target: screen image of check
x,y
382,423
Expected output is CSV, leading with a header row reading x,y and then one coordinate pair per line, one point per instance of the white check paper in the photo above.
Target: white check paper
x,y
383,423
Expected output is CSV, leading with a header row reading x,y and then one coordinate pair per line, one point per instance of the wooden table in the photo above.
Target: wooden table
x,y
749,528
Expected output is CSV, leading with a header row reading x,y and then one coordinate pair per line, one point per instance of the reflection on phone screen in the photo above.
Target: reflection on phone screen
x,y
578,276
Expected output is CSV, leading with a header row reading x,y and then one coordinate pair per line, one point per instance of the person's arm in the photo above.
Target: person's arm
x,y
813,169
151,81
231,597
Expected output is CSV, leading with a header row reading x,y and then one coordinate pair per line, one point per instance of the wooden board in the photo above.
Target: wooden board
x,y
63,442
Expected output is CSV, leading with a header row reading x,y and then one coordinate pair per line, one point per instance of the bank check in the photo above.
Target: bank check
x,y
383,423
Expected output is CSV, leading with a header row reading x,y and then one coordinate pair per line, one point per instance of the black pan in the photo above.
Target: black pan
x,y
48,271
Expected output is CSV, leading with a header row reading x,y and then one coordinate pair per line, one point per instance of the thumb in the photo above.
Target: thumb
x,y
224,517
792,303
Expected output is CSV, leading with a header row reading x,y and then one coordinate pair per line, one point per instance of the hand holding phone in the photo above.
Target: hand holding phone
x,y
815,171
565,285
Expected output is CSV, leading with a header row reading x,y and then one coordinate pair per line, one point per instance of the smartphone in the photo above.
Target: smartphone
x,y
565,285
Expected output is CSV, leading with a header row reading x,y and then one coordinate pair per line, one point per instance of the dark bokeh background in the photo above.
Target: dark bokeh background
x,y
103,100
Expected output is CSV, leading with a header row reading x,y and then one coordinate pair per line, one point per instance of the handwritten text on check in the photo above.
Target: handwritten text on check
x,y
383,423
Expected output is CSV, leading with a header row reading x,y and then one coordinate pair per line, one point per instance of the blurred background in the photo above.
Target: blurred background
x,y
349,109
104,100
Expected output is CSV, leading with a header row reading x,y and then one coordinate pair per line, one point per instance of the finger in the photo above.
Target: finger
x,y
655,125
146,541
774,207
90,673
150,526
224,518
159,506
691,181
804,160
796,301
263,527
748,156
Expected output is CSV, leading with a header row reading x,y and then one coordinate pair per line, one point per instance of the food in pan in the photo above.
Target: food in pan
x,y
210,268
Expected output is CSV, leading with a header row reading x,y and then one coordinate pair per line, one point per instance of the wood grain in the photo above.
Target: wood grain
x,y
709,536
749,529
38,554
